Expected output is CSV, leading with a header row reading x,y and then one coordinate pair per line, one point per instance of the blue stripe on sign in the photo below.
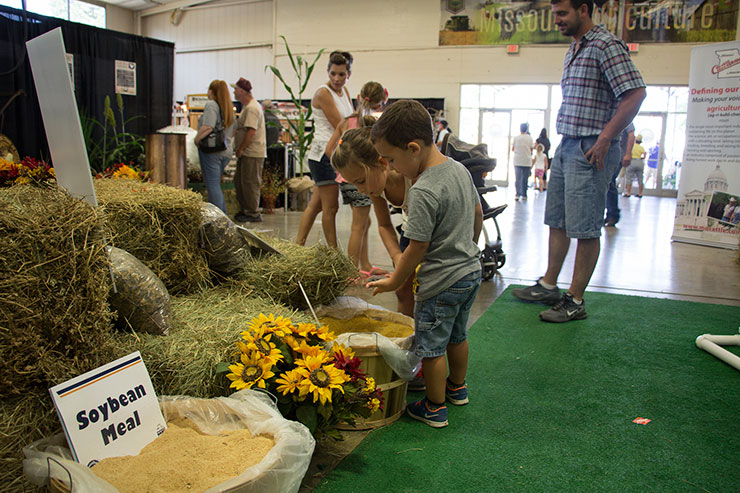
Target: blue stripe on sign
x,y
98,375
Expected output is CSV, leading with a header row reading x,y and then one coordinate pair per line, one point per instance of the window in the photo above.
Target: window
x,y
71,10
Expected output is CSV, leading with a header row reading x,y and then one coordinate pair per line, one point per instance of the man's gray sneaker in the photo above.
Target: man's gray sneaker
x,y
538,292
565,310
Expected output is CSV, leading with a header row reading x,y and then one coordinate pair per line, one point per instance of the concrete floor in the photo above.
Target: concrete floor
x,y
637,258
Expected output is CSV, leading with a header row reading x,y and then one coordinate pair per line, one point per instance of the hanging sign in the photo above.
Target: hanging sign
x,y
125,77
708,205
109,412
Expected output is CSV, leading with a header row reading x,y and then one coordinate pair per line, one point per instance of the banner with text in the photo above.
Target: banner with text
x,y
708,206
469,22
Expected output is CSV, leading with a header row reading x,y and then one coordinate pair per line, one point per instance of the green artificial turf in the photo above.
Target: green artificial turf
x,y
551,407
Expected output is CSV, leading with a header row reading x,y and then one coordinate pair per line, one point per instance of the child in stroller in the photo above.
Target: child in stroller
x,y
475,159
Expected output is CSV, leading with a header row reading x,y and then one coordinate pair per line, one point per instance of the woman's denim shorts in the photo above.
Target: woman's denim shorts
x,y
322,172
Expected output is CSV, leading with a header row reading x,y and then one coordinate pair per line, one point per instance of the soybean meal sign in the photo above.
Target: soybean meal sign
x,y
109,412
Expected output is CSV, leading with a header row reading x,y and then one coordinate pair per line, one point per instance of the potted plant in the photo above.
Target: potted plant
x,y
301,134
273,184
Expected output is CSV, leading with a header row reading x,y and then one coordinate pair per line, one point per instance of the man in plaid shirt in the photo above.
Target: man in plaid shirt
x,y
602,93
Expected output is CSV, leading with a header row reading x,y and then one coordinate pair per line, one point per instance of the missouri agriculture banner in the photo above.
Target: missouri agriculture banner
x,y
486,22
708,205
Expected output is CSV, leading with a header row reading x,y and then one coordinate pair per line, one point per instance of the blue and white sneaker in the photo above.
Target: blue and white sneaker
x,y
456,395
421,411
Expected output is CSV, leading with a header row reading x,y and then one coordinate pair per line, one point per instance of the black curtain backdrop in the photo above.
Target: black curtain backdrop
x,y
95,51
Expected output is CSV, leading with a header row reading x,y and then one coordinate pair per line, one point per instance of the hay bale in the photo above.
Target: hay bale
x,y
323,271
158,225
204,330
54,283
140,297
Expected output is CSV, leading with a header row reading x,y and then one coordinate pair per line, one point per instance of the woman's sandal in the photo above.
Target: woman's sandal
x,y
374,271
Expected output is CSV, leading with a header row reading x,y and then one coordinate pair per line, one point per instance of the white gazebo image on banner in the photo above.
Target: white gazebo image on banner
x,y
692,210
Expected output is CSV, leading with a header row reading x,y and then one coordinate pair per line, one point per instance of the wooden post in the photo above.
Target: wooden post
x,y
166,159
155,157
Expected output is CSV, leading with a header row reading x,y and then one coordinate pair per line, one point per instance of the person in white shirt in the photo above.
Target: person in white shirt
x,y
522,149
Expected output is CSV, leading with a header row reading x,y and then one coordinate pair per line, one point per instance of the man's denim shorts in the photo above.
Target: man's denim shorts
x,y
443,319
576,190
322,172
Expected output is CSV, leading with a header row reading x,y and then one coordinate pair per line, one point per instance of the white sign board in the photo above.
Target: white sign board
x,y
125,77
111,411
708,205
59,112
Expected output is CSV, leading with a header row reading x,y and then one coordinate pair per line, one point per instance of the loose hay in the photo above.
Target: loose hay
x,y
158,225
323,271
205,328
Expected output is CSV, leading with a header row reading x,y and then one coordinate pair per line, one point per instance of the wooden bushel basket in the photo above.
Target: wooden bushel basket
x,y
392,386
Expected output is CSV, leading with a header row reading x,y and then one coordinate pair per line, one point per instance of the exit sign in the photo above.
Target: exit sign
x,y
512,49
633,47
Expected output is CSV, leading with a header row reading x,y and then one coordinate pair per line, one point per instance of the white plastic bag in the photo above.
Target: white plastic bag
x,y
281,470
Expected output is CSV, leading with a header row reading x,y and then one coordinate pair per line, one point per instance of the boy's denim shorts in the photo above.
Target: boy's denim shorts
x,y
322,172
576,190
443,319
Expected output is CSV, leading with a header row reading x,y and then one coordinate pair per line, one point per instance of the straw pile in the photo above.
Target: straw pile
x,y
158,225
323,271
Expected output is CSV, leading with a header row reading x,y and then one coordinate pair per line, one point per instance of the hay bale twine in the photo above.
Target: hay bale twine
x,y
140,297
158,225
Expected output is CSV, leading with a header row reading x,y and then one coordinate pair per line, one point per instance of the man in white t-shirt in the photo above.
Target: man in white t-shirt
x,y
250,149
522,148
442,130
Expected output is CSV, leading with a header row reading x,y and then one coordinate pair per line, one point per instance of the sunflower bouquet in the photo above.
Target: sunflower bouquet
x,y
315,380
29,170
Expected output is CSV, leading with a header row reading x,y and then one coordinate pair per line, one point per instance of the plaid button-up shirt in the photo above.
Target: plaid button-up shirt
x,y
594,79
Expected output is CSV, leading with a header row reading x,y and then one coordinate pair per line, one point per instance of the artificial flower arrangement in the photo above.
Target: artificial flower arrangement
x,y
315,380
120,170
29,170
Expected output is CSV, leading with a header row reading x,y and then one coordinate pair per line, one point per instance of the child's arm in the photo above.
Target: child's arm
x,y
334,140
405,266
386,229
478,225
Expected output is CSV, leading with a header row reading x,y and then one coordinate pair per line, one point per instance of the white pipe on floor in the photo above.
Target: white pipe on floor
x,y
711,344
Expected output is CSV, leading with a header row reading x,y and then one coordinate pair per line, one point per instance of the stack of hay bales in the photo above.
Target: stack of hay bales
x,y
158,225
54,315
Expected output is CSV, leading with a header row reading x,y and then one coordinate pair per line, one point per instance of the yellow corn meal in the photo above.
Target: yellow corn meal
x,y
363,323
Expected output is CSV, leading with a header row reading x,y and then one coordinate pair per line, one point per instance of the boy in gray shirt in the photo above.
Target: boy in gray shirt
x,y
444,221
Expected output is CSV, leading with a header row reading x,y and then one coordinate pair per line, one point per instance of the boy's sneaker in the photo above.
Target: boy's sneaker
x,y
538,292
456,395
565,310
434,417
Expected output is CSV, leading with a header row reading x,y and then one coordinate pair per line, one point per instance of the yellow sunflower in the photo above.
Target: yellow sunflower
x,y
249,373
325,334
312,350
280,325
319,379
304,330
289,381
260,343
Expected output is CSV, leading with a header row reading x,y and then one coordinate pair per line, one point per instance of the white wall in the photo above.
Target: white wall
x,y
394,42
218,42
118,19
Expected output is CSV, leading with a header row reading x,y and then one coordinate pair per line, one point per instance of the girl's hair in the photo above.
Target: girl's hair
x,y
540,148
371,95
340,58
356,147
221,95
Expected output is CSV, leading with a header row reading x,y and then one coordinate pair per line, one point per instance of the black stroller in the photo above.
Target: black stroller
x,y
475,159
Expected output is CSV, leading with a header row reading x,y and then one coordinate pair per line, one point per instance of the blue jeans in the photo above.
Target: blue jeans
x,y
443,319
212,167
576,191
522,177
